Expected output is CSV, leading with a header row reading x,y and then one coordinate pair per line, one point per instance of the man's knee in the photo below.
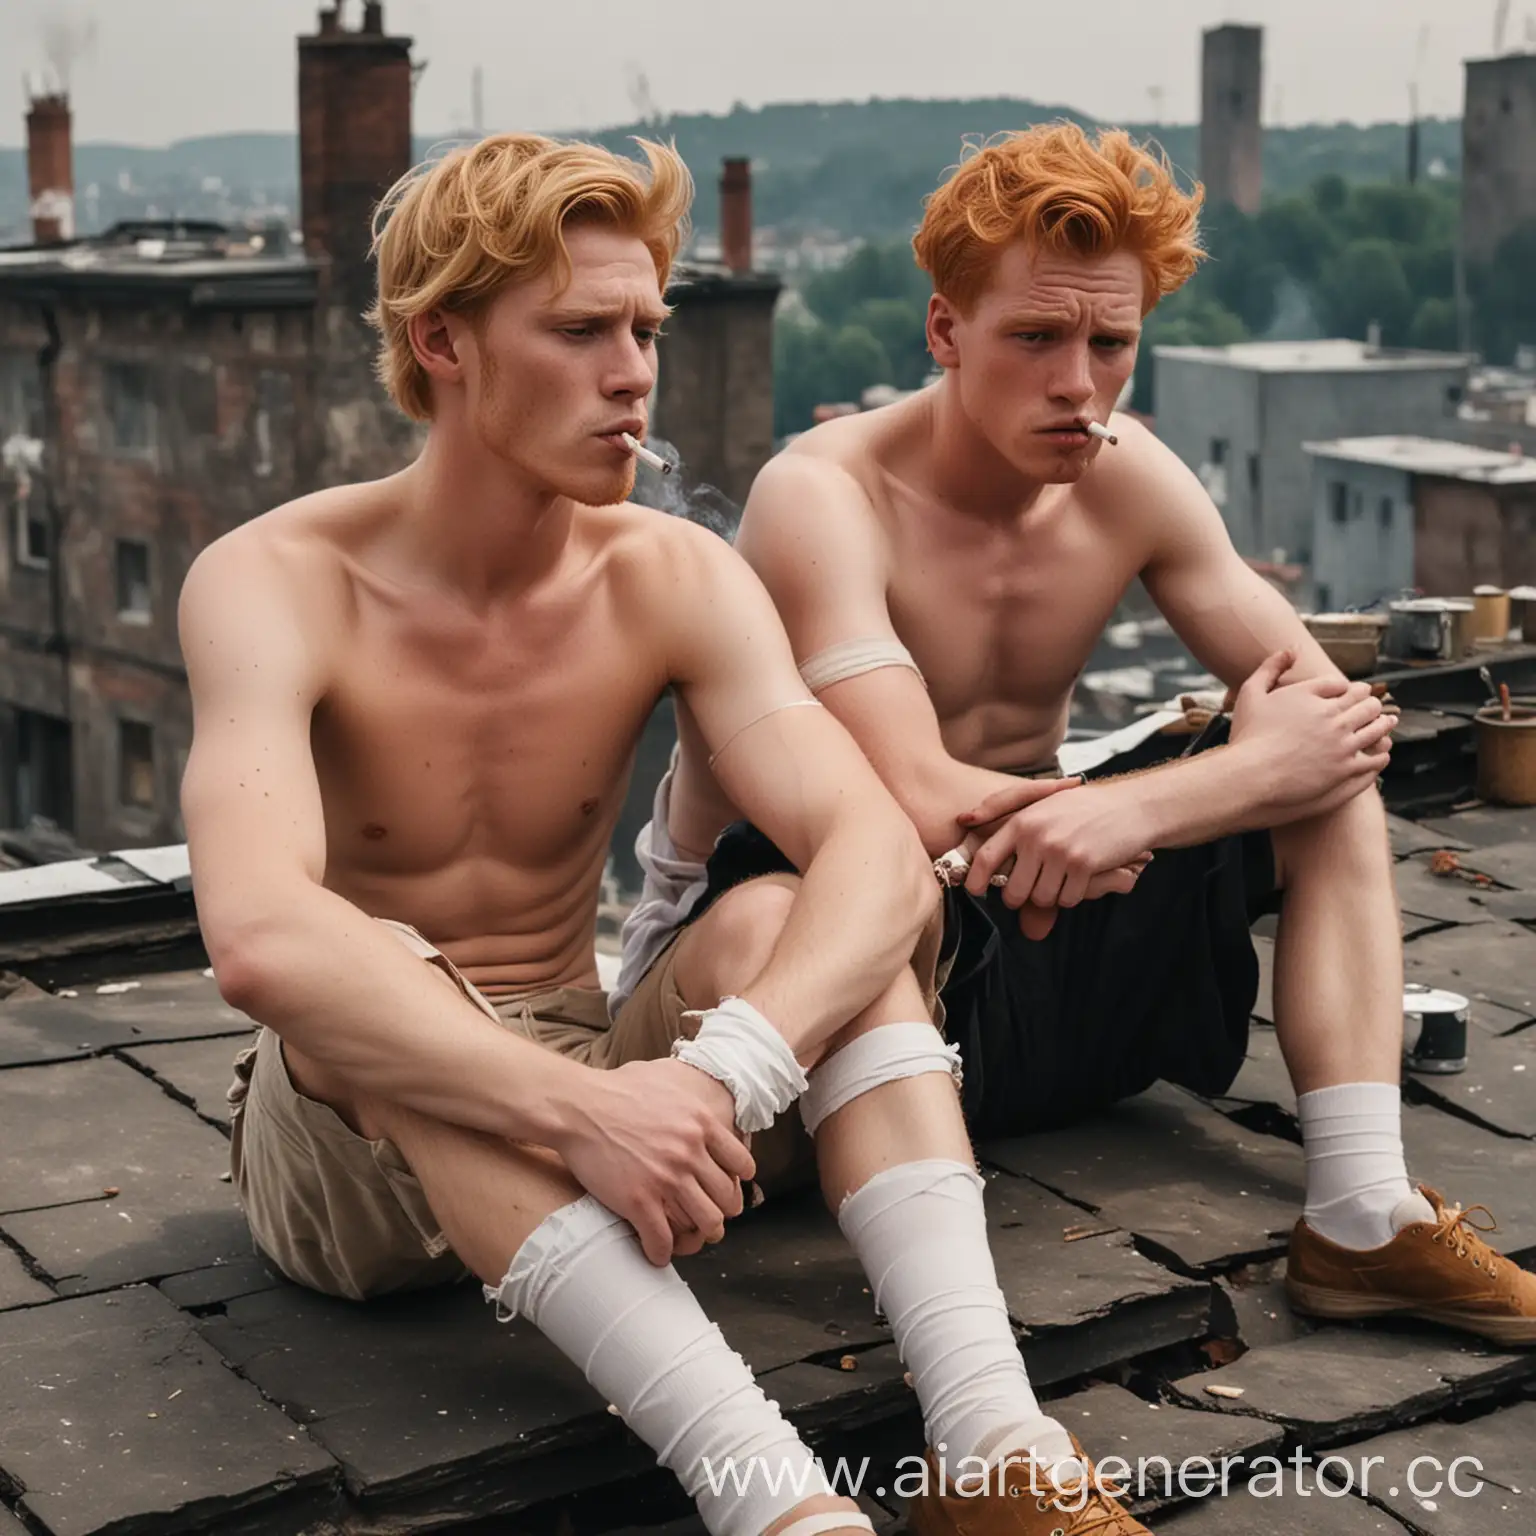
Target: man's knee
x,y
1351,838
727,947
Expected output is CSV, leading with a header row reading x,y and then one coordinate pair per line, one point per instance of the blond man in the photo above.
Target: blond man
x,y
416,702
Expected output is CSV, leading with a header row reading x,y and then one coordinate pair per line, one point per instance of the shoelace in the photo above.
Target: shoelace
x,y
1456,1231
1100,1515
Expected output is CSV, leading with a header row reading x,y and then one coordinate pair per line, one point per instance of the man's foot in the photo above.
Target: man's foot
x,y
1023,1505
1439,1270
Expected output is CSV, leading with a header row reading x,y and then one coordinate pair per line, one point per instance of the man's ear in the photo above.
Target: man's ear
x,y
940,330
433,341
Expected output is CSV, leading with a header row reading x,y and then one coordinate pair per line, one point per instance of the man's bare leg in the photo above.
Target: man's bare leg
x,y
897,1170
546,1250
1339,1020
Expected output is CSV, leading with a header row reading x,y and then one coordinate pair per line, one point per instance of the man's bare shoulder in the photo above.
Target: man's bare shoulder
x,y
289,561
1143,483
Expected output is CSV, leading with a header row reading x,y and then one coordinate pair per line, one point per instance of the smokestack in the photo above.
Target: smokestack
x,y
50,169
354,143
736,213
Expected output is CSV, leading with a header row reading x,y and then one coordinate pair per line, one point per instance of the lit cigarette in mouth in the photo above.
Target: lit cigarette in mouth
x,y
1099,430
644,454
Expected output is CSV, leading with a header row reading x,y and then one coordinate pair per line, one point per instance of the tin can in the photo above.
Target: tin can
x,y
1434,1029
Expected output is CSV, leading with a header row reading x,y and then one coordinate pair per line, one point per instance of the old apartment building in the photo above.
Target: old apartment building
x,y
162,383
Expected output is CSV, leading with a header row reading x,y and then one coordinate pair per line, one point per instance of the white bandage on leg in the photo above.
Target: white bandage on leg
x,y
740,1048
879,1056
853,658
640,1337
814,1525
920,1232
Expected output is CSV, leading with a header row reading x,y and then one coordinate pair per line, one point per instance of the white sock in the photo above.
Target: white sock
x,y
1358,1194
640,1337
920,1232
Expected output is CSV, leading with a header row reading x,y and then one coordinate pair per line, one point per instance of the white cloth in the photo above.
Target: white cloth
x,y
638,1334
853,658
737,1046
672,884
872,1059
920,1231
1357,1178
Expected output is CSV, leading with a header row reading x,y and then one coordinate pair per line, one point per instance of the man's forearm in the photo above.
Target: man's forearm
x,y
863,902
341,989
940,793
1214,794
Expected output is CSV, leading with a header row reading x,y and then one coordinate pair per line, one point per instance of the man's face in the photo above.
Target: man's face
x,y
1050,343
554,375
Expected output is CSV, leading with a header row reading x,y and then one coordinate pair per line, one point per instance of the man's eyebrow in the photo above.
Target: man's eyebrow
x,y
571,313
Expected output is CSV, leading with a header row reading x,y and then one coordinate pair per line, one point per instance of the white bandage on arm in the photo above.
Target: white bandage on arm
x,y
852,658
880,1056
737,1046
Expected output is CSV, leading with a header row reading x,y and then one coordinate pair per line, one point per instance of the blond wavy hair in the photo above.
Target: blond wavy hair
x,y
1061,191
452,233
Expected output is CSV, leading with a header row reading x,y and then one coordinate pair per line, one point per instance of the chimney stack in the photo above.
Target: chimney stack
x,y
736,214
354,142
50,169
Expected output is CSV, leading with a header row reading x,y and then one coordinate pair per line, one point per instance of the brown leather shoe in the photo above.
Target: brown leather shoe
x,y
1440,1270
1019,1509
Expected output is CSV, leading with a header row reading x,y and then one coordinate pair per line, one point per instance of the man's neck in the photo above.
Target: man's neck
x,y
966,472
471,519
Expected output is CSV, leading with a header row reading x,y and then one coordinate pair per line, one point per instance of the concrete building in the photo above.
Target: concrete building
x,y
1239,416
1231,106
162,383
1391,513
1498,170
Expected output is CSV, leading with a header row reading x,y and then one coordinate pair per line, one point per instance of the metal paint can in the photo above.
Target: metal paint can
x,y
1434,1029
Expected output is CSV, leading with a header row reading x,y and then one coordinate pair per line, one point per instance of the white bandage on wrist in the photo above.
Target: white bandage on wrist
x,y
872,1059
737,1046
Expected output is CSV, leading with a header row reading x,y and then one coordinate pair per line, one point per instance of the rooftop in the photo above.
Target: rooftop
x,y
1330,355
1431,456
210,262
161,1381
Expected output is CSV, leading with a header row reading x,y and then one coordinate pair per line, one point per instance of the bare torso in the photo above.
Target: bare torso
x,y
472,764
1001,615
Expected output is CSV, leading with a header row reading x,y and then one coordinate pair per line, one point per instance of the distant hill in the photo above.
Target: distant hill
x,y
849,169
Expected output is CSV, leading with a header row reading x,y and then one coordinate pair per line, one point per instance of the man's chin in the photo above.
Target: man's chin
x,y
597,488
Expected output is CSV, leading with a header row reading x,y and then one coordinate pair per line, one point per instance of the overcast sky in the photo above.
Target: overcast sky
x,y
158,70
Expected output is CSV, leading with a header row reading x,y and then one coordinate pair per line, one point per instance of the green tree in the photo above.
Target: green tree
x,y
1365,283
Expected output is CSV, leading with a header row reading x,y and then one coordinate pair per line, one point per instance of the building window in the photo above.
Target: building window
x,y
1338,501
133,601
130,408
43,781
1253,475
31,532
136,764
1218,450
1384,512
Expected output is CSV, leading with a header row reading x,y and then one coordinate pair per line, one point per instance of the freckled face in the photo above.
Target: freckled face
x,y
1049,344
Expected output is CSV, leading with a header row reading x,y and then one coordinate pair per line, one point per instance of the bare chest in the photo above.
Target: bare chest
x,y
442,747
1002,621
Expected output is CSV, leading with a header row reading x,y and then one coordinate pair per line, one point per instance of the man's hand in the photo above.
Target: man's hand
x,y
1319,741
1063,850
658,1145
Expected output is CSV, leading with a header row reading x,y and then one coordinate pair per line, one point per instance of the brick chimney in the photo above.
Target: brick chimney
x,y
354,142
736,214
50,169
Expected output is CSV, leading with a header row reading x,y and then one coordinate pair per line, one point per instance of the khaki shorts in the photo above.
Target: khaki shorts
x,y
345,1215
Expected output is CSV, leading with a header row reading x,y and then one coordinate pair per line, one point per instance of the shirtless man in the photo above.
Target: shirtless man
x,y
416,705
944,567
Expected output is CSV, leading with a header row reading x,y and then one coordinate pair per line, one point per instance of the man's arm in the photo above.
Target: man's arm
x,y
294,955
867,889
810,534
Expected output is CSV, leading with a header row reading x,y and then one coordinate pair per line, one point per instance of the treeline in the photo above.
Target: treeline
x,y
1332,260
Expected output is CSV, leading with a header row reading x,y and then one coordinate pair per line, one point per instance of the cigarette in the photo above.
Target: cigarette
x,y
1097,429
645,455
